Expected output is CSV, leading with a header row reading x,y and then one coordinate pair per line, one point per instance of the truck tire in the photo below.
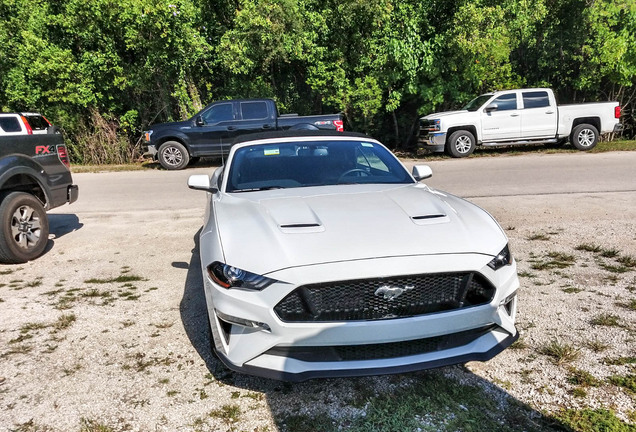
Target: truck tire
x,y
173,155
25,228
584,137
460,144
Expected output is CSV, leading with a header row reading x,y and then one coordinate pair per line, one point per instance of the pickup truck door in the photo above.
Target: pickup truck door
x,y
539,115
256,116
501,118
214,132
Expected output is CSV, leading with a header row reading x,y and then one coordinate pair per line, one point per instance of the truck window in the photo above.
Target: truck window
x,y
219,113
10,124
254,110
536,99
506,102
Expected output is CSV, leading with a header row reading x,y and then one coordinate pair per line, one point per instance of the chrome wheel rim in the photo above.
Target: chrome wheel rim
x,y
25,227
586,137
463,144
172,156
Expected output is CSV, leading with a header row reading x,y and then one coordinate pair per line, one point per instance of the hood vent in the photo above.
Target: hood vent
x,y
301,228
430,219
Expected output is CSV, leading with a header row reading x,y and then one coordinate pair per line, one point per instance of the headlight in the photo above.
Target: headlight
x,y
504,258
233,277
437,125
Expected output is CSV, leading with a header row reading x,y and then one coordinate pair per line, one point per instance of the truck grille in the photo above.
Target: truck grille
x,y
387,298
381,351
426,126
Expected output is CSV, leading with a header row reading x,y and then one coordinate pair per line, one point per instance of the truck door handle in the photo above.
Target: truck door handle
x,y
514,115
549,112
267,126
231,128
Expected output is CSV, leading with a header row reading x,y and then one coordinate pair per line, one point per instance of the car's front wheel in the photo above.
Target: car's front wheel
x,y
584,137
25,228
460,144
173,155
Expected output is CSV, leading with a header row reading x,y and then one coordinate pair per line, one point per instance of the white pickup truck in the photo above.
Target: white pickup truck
x,y
522,116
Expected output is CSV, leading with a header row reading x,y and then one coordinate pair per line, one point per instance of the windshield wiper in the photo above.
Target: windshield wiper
x,y
259,189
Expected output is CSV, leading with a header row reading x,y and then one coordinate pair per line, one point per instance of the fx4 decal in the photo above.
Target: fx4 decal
x,y
42,149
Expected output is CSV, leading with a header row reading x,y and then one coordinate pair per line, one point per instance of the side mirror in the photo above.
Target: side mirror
x,y
199,121
201,182
421,172
492,107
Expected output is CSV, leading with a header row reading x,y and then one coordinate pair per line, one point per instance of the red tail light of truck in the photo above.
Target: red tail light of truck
x,y
617,112
63,155
339,124
27,125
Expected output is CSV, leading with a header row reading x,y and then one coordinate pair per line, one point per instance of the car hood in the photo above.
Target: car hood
x,y
268,231
443,114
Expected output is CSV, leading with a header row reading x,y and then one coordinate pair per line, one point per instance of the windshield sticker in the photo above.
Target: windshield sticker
x,y
367,144
271,151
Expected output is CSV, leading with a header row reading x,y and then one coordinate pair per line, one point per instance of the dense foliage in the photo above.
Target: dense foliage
x,y
105,70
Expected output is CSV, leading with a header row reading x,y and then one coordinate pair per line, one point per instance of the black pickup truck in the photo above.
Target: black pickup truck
x,y
212,130
35,176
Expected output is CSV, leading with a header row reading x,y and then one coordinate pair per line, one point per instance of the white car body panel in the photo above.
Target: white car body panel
x,y
332,234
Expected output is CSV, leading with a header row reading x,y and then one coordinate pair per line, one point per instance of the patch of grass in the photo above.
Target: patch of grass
x,y
597,345
555,260
519,344
627,261
631,305
619,361
94,426
589,420
227,413
539,236
578,392
6,272
18,349
613,268
571,290
561,353
124,278
164,325
64,322
606,319
28,327
587,247
306,423
626,381
128,323
581,378
610,253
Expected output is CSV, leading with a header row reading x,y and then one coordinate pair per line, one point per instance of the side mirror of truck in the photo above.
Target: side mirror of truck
x,y
199,121
492,107
421,172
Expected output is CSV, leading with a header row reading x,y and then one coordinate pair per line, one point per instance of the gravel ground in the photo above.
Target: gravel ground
x,y
113,333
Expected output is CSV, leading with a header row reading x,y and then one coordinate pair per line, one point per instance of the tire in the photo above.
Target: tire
x,y
584,137
460,144
173,155
25,228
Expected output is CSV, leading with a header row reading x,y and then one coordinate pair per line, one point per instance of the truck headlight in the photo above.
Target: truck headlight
x,y
147,135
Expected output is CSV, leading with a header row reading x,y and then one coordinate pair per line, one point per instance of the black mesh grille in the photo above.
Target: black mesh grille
x,y
375,299
381,351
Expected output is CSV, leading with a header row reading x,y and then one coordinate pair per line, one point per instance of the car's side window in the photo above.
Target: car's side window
x,y
10,124
537,99
254,110
506,102
219,113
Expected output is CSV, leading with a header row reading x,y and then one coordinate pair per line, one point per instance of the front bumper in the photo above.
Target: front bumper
x,y
265,347
150,150
434,141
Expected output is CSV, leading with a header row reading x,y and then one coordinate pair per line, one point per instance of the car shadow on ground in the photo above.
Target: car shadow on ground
x,y
59,226
330,404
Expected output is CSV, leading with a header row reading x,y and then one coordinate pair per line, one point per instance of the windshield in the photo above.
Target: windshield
x,y
474,104
313,163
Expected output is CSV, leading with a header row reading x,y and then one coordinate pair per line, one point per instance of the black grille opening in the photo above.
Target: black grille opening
x,y
386,298
381,351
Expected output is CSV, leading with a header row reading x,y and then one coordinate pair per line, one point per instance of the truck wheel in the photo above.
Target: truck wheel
x,y
460,144
584,137
25,228
173,155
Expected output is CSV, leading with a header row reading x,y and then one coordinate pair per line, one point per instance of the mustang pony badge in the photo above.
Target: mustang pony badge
x,y
391,293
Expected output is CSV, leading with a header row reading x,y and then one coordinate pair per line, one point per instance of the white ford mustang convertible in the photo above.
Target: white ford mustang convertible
x,y
322,256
